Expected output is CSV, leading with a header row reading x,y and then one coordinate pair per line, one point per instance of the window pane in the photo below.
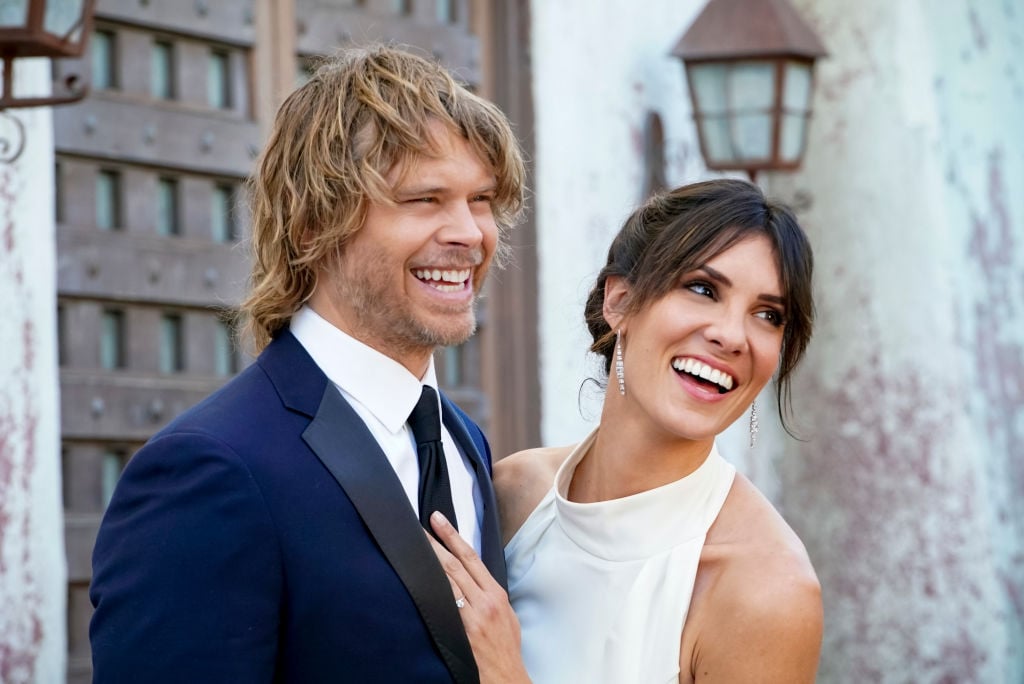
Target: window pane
x,y
62,326
58,193
112,340
225,361
452,366
218,82
161,77
101,49
304,69
167,207
113,464
171,344
223,214
445,11
108,200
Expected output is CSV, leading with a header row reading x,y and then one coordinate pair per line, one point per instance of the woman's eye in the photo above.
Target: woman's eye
x,y
702,289
773,317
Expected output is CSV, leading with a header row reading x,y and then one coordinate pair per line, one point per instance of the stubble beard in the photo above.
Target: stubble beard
x,y
392,323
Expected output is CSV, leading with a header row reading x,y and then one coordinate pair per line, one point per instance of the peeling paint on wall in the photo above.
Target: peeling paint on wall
x,y
32,566
909,494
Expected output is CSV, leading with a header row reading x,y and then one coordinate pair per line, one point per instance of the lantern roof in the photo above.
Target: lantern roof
x,y
732,29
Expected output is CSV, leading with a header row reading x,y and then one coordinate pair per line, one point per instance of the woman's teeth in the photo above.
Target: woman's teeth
x,y
703,371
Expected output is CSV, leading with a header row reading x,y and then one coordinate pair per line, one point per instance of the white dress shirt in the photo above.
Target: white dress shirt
x,y
383,393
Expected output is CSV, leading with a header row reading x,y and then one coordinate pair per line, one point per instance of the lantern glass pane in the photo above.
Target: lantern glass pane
x,y
708,83
792,137
13,13
751,86
752,136
61,16
717,143
796,101
796,97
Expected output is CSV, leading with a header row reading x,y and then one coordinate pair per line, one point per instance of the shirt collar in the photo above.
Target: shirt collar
x,y
385,387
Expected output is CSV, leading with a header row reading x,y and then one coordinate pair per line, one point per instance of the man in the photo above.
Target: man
x,y
271,533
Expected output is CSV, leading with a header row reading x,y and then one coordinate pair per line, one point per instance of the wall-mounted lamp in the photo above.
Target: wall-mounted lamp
x,y
750,65
41,28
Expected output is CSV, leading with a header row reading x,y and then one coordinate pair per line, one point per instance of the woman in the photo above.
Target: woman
x,y
640,555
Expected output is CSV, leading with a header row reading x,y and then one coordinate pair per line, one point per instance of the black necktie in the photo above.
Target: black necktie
x,y
435,490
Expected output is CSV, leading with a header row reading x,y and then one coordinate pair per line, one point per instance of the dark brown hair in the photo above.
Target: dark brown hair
x,y
363,113
678,231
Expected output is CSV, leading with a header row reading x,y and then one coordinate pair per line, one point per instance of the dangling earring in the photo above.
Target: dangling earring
x,y
753,424
619,372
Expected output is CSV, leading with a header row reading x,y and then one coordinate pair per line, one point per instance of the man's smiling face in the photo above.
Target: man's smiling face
x,y
407,281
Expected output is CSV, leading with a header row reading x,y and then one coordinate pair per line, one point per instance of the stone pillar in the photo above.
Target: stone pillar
x,y
909,488
32,563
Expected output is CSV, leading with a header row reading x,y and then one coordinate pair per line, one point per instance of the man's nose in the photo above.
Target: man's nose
x,y
462,226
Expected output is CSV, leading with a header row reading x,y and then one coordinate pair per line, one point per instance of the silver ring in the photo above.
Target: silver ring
x,y
460,602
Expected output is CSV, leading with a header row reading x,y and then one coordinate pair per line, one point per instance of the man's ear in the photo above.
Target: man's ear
x,y
616,293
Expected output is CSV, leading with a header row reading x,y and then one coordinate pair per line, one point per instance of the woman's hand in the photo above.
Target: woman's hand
x,y
490,623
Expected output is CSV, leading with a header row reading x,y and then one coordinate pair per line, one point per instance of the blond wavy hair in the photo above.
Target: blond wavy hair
x,y
363,113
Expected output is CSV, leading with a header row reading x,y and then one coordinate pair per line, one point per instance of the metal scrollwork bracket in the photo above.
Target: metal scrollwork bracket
x,y
12,137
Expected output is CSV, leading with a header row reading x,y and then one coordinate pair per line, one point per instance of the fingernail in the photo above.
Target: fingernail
x,y
438,517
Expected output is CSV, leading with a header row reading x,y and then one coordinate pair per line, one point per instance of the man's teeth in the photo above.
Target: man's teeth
x,y
446,281
704,371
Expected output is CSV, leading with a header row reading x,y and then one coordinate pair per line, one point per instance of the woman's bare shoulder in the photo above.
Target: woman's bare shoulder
x,y
761,595
520,482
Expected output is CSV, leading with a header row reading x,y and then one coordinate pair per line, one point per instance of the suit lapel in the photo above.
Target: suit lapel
x,y
491,552
345,446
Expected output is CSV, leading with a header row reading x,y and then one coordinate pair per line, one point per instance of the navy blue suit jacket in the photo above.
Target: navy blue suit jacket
x,y
264,537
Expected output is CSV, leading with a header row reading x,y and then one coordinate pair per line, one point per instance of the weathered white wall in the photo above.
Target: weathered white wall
x,y
909,492
32,564
598,68
909,487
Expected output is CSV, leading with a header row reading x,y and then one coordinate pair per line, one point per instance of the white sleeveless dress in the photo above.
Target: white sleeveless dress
x,y
602,589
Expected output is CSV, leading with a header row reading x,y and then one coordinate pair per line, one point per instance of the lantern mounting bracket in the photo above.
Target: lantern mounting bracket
x,y
69,87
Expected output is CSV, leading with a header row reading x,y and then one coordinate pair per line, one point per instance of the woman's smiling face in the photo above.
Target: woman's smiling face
x,y
698,356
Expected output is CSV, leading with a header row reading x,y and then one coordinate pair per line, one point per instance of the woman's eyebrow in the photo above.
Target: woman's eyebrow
x,y
724,280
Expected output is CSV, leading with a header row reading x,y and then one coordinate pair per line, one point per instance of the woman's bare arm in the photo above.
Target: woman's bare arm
x,y
521,481
769,631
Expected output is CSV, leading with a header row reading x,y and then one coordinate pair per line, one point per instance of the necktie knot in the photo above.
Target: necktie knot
x,y
425,419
